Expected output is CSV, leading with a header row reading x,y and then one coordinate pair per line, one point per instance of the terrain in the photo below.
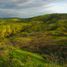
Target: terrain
x,y
34,42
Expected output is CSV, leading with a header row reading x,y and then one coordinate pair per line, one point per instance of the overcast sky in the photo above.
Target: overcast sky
x,y
30,8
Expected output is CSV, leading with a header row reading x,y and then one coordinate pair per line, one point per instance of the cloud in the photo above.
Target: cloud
x,y
29,8
20,3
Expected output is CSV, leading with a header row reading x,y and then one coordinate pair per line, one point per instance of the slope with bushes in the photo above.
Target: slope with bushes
x,y
45,35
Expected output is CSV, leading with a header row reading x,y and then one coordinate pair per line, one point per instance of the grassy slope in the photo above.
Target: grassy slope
x,y
14,57
46,35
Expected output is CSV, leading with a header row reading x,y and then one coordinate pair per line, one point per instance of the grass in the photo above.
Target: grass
x,y
14,57
34,42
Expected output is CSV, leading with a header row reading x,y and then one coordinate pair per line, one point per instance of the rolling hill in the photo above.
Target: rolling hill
x,y
34,42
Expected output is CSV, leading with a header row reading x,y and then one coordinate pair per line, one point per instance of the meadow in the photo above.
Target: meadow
x,y
34,42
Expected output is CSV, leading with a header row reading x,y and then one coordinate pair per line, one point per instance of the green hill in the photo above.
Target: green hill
x,y
43,35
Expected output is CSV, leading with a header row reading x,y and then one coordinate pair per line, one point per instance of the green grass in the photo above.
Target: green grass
x,y
34,42
14,57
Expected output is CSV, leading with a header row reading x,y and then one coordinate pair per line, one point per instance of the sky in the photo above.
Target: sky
x,y
31,8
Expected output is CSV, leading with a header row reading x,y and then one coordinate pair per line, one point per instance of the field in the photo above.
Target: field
x,y
34,42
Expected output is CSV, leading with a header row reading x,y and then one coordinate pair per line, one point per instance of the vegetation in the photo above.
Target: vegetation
x,y
34,42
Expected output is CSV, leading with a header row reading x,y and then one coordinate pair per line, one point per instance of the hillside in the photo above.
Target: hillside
x,y
44,38
14,57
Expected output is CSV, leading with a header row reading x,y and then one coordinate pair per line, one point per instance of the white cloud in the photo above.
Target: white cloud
x,y
29,8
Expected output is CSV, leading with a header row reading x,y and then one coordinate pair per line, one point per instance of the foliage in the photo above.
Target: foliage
x,y
45,35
